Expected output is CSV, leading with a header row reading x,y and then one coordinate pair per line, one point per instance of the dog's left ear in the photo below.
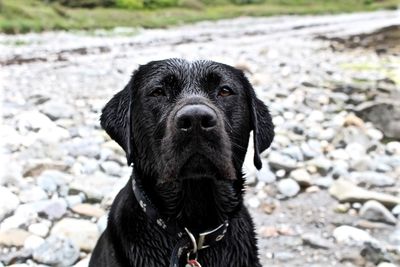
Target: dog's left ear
x,y
116,120
261,123
263,128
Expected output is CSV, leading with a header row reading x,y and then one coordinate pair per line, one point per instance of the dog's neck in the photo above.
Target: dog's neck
x,y
198,204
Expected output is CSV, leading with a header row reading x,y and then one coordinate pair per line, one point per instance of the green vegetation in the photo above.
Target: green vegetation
x,y
18,16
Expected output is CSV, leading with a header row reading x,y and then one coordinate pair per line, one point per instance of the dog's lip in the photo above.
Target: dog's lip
x,y
198,166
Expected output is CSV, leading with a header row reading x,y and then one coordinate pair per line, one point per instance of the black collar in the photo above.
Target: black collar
x,y
187,244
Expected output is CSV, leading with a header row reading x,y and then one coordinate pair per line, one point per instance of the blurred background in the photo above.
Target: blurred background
x,y
329,190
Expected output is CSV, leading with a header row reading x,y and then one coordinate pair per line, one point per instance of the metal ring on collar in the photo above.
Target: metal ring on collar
x,y
193,240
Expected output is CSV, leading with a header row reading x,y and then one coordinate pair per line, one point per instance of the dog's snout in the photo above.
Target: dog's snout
x,y
195,117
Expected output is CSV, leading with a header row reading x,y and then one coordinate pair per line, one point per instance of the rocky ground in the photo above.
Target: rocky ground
x,y
329,191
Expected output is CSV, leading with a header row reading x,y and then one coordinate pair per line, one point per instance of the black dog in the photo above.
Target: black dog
x,y
185,128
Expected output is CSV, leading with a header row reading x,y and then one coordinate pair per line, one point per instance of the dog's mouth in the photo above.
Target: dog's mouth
x,y
199,167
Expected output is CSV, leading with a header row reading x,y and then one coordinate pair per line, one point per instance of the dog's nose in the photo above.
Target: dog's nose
x,y
198,116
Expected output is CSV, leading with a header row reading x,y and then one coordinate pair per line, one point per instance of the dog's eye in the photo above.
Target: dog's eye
x,y
157,92
225,91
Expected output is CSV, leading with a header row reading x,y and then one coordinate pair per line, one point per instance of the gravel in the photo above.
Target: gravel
x,y
336,147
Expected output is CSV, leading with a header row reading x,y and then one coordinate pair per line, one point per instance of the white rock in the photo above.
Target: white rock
x,y
374,211
301,176
40,229
288,187
8,202
386,264
265,174
111,168
82,232
33,242
84,262
32,194
253,202
350,235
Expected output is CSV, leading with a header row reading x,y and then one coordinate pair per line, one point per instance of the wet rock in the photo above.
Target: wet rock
x,y
316,241
370,178
375,211
8,202
56,109
288,187
13,237
81,232
345,191
88,210
385,115
56,251
350,235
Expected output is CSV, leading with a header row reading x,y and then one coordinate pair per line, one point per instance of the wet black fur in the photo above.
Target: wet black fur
x,y
195,179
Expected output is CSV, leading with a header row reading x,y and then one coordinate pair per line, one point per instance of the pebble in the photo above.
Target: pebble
x,y
301,176
350,235
345,191
396,211
88,210
32,242
8,202
386,264
375,211
40,229
83,233
32,194
111,168
56,251
266,175
370,178
280,161
56,109
316,241
288,187
13,237
253,202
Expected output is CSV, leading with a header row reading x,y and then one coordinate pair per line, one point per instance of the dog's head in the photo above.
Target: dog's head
x,y
178,120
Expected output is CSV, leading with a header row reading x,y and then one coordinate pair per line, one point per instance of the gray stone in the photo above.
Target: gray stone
x,y
288,187
280,161
83,233
266,175
294,152
94,188
351,236
316,241
56,109
345,191
8,202
311,149
385,115
111,168
32,194
57,251
370,178
322,164
324,182
375,211
301,176
52,208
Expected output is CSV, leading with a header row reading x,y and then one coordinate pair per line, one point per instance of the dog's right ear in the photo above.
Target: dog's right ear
x,y
116,120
